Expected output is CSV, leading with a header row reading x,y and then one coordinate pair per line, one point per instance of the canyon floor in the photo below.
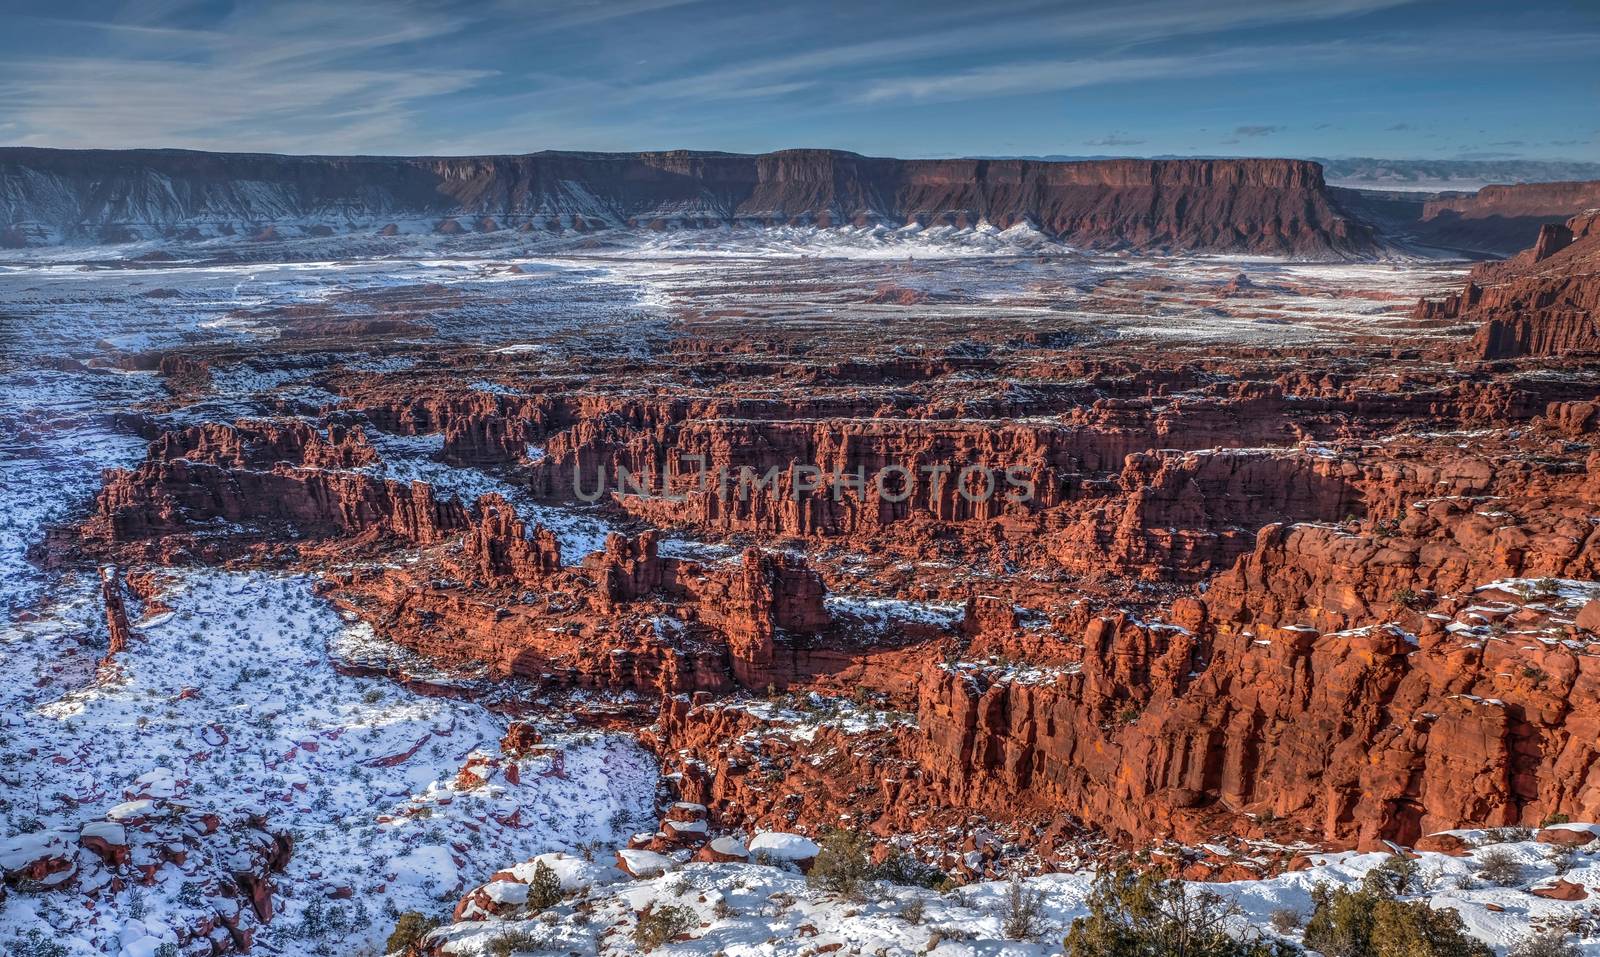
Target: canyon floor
x,y
315,613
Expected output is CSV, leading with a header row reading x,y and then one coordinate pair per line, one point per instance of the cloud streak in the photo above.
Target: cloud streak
x,y
514,75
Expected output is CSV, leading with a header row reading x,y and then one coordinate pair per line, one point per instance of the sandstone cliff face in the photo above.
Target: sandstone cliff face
x,y
268,477
1504,219
1544,301
1266,206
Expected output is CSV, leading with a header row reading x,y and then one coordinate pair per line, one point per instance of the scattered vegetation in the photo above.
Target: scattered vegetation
x,y
1546,943
1132,914
1514,834
511,942
659,923
842,865
409,930
1286,920
1498,865
35,944
1369,921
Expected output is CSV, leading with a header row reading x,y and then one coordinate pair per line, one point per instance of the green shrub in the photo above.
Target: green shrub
x,y
842,865
512,942
1395,877
902,868
544,891
1369,922
409,930
1133,914
659,923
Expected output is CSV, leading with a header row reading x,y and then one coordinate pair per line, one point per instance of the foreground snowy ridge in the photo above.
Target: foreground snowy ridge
x,y
748,909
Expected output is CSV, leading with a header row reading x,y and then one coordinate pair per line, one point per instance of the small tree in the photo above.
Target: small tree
x,y
409,930
842,864
659,923
544,891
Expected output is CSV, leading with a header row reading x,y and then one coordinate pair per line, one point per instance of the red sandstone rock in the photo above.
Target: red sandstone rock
x,y
1589,618
520,739
1566,836
1541,302
1450,844
116,611
1561,890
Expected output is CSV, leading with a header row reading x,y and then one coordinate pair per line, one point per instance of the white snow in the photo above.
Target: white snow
x,y
781,846
232,702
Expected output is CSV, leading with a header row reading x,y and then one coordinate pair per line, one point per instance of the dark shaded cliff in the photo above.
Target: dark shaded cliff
x,y
1504,219
1249,205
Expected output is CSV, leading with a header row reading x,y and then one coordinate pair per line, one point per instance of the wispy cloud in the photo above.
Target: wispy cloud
x,y
1114,139
512,75
298,76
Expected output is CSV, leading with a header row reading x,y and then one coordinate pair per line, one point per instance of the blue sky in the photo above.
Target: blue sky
x,y
1388,78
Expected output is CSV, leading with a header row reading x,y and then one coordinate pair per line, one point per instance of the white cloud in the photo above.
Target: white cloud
x,y
298,76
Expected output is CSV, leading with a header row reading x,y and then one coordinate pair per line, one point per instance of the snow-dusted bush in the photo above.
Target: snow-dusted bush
x,y
659,923
1149,913
842,865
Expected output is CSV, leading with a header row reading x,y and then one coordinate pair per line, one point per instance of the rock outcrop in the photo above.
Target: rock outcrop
x,y
230,860
269,481
1543,302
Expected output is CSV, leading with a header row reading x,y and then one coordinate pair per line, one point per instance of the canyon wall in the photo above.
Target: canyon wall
x,y
1545,301
1504,219
1255,205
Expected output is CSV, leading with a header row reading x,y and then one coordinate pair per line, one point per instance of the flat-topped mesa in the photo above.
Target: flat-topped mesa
x,y
1274,206
1544,301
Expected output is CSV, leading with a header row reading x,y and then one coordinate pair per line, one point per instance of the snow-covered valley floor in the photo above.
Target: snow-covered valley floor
x,y
230,703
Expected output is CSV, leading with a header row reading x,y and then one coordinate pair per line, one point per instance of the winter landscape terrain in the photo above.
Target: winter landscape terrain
x,y
315,646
